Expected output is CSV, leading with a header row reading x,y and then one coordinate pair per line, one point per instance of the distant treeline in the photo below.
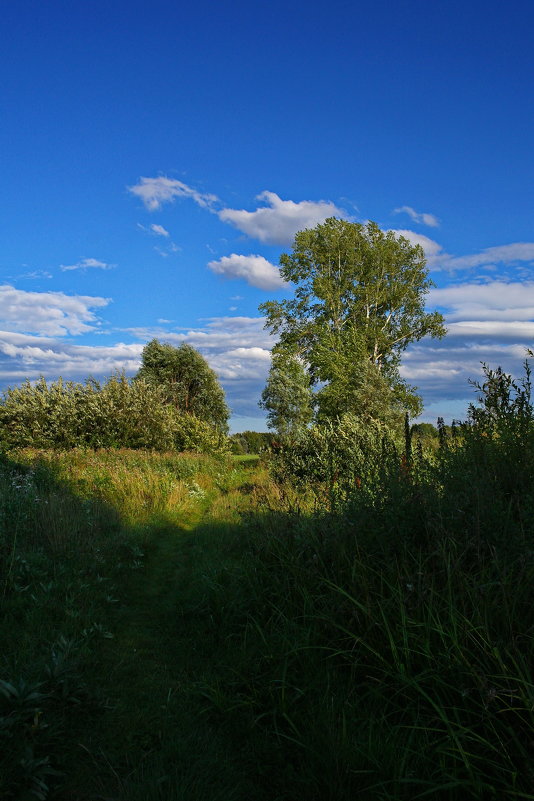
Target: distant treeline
x,y
251,441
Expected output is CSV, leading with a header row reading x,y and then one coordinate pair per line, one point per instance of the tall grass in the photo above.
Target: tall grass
x,y
236,639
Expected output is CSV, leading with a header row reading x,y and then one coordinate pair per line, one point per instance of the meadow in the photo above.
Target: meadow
x,y
179,626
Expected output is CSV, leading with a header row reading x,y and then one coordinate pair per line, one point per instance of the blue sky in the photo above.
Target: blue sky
x,y
157,158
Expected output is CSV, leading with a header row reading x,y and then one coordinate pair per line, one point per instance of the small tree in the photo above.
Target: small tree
x,y
188,382
287,395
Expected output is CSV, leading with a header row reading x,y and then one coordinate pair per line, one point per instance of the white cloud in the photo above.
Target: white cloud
x,y
433,250
419,217
154,192
23,356
438,259
217,334
85,263
491,301
255,270
494,330
159,230
48,313
506,254
492,322
34,275
278,222
238,364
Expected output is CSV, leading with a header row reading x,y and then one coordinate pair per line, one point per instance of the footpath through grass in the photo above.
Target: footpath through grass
x,y
107,639
183,628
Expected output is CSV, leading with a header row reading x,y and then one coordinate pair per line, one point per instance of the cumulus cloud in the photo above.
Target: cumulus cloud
x,y
48,313
84,264
255,270
154,192
278,221
418,217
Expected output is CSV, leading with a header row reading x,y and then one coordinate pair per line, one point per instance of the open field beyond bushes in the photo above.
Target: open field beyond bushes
x,y
183,627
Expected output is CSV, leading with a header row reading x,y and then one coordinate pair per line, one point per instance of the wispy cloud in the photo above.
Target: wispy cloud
x,y
159,230
491,301
85,264
237,348
437,258
418,217
491,322
255,270
505,254
154,192
34,275
278,221
23,356
48,313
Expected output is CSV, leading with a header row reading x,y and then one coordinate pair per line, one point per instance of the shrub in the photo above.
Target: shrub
x,y
115,414
192,434
340,455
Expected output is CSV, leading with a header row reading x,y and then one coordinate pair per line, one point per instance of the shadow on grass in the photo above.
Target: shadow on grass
x,y
282,657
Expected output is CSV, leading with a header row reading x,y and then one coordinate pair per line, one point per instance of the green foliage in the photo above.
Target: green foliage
x,y
64,414
287,395
359,388
382,649
192,434
339,456
488,466
425,430
186,380
359,302
252,442
114,414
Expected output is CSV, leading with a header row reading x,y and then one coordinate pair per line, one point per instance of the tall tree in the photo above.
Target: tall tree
x,y
358,303
188,381
287,395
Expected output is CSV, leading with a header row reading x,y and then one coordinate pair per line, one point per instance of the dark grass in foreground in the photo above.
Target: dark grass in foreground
x,y
168,636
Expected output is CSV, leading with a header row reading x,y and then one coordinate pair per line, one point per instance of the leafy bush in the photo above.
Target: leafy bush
x,y
340,455
114,414
192,434
251,441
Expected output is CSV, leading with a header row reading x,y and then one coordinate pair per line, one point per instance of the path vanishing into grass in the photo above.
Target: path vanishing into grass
x,y
161,735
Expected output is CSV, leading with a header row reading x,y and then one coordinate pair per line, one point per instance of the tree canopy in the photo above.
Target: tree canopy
x,y
287,395
358,303
188,382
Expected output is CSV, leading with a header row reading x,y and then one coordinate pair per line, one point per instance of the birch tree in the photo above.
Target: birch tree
x,y
358,302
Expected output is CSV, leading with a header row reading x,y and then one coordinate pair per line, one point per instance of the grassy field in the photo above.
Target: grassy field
x,y
178,627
